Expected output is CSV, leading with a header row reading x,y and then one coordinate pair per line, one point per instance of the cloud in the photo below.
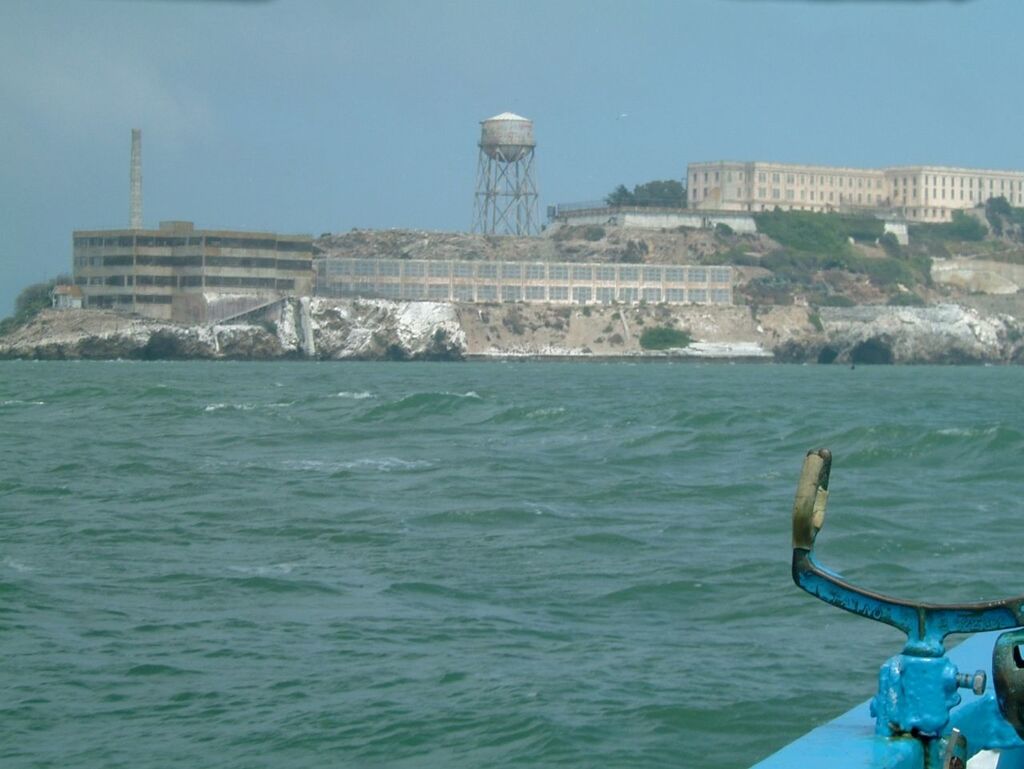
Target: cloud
x,y
84,89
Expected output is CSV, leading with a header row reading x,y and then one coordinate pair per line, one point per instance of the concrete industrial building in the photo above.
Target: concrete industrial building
x,y
914,193
183,274
554,282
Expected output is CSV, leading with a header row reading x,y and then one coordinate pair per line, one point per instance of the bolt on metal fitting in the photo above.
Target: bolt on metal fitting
x,y
974,681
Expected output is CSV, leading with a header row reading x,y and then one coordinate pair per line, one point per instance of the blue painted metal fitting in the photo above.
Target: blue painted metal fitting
x,y
915,695
917,689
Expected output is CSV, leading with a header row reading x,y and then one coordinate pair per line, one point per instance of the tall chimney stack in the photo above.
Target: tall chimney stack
x,y
135,214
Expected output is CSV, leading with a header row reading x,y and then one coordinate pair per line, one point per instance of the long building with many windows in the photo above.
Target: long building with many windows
x,y
914,193
556,282
180,273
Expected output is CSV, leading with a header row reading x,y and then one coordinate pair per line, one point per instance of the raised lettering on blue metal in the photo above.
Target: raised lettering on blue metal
x,y
918,688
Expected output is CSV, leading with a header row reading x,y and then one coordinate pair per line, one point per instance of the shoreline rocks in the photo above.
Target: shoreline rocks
x,y
376,329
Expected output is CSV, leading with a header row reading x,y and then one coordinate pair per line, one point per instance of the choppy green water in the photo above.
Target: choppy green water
x,y
470,565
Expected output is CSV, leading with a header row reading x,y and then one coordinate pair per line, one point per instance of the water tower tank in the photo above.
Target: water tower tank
x,y
507,136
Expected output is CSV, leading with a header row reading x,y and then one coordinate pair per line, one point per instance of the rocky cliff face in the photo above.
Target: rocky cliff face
x,y
940,334
306,327
336,329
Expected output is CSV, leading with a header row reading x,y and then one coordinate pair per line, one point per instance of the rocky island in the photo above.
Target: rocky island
x,y
804,291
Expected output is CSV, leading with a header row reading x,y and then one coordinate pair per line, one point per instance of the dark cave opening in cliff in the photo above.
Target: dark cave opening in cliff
x,y
871,351
828,355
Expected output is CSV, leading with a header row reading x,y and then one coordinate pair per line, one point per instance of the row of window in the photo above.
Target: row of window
x,y
940,194
110,300
850,181
185,281
492,293
195,260
863,198
953,180
803,179
516,271
159,241
812,195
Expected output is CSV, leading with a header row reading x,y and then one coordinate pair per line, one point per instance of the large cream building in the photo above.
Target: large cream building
x,y
916,193
192,276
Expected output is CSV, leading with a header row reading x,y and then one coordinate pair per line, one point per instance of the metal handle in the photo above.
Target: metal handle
x,y
926,624
811,498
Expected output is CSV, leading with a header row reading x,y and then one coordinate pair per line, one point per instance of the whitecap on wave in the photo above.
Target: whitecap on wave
x,y
967,432
10,563
270,570
548,412
379,464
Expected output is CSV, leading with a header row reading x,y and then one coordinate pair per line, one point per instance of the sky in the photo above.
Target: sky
x,y
309,116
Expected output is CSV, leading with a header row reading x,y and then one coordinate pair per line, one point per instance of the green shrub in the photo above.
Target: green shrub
x,y
802,230
909,299
890,245
768,291
591,232
818,233
866,229
965,227
663,338
836,300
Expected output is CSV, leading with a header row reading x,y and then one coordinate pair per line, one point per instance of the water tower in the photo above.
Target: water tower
x,y
506,192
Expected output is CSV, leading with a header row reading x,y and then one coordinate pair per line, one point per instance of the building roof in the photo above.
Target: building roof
x,y
508,116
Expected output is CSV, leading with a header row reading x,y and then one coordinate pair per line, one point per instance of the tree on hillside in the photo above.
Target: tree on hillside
x,y
620,196
667,193
996,211
30,301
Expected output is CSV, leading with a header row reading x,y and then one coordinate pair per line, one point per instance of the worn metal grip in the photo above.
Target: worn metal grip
x,y
811,498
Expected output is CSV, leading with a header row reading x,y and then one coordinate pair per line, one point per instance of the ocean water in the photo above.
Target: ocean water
x,y
471,565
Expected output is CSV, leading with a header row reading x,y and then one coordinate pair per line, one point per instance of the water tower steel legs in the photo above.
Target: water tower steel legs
x,y
506,196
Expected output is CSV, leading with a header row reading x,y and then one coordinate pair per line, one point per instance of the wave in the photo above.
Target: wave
x,y
607,539
269,584
424,404
378,464
429,589
151,669
651,594
526,414
265,570
18,566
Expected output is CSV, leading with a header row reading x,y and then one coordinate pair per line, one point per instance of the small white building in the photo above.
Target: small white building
x,y
66,297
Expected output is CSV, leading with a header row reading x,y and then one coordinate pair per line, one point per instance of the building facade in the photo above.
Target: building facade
x,y
914,193
179,273
552,282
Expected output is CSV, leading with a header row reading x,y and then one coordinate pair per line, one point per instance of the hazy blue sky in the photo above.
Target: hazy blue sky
x,y
305,116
